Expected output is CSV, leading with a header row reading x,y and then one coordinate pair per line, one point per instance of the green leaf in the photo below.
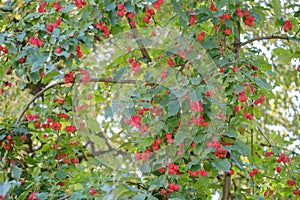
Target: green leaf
x,y
21,36
198,150
239,89
140,196
2,136
191,54
241,147
236,159
37,60
4,187
55,33
152,198
110,6
108,112
179,10
129,7
146,105
42,196
258,18
36,172
165,99
262,83
209,43
119,74
156,183
34,77
145,169
224,61
3,71
64,53
229,24
93,125
200,138
23,195
221,4
277,8
258,197
180,136
49,77
182,22
16,172
76,196
146,142
222,164
231,133
195,80
284,55
1,38
173,108
61,174
67,8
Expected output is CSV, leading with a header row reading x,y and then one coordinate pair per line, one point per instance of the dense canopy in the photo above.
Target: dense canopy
x,y
153,99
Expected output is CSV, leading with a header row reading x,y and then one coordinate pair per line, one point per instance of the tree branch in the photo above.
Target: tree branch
x,y
252,155
109,80
62,83
34,98
65,197
139,185
227,176
297,32
227,183
260,131
266,38
139,40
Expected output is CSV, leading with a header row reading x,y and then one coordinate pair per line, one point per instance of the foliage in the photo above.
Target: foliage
x,y
149,99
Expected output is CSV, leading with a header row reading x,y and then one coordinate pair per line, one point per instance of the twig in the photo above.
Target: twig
x,y
252,155
34,98
127,196
65,197
109,80
264,136
139,185
139,41
270,178
297,32
182,66
234,185
62,83
266,38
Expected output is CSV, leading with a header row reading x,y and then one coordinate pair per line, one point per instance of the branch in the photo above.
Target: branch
x,y
139,41
227,183
34,98
270,178
252,155
260,131
266,38
62,198
297,32
139,185
237,41
109,80
62,83
227,176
